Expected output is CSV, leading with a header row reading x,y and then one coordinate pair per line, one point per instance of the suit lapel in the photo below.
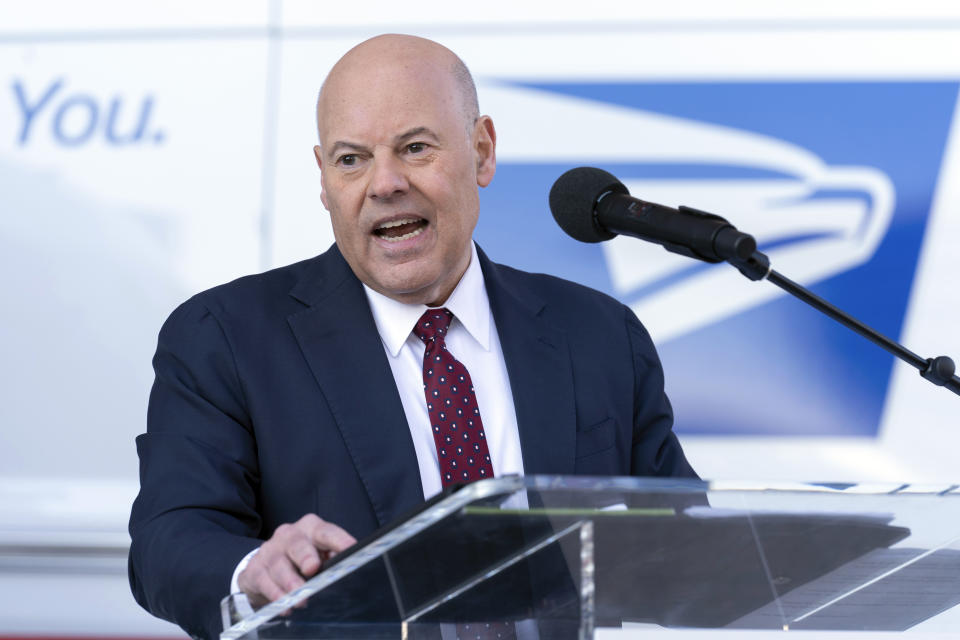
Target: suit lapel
x,y
541,372
339,340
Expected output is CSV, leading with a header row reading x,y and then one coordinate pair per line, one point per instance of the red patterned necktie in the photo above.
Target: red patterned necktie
x,y
457,431
452,405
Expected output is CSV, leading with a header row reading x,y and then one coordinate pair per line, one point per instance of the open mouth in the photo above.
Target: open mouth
x,y
403,229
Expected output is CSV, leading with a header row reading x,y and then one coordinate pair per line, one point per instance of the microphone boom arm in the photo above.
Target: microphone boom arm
x,y
939,370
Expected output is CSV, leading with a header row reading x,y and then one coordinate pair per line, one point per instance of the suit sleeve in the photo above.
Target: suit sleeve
x,y
196,514
656,449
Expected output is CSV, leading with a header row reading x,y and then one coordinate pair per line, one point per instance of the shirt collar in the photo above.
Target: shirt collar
x,y
468,303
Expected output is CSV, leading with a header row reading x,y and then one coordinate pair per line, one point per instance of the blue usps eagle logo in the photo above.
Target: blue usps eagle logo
x,y
834,179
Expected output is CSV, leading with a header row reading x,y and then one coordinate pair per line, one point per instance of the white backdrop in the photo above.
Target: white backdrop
x,y
150,151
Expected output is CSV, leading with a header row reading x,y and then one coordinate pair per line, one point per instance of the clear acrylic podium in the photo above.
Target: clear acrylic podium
x,y
568,557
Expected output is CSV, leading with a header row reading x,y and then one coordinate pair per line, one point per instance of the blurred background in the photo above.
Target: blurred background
x,y
151,150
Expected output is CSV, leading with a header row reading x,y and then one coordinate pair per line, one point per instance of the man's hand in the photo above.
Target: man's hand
x,y
294,552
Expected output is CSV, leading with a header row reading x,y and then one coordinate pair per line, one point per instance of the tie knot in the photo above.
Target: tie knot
x,y
433,323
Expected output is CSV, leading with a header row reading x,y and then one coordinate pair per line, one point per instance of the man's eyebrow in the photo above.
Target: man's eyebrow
x,y
344,144
416,131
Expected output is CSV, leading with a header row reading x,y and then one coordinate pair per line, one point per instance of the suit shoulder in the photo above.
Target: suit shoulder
x,y
278,281
254,301
270,290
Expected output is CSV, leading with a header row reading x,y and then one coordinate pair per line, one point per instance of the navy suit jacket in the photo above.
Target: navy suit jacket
x,y
274,398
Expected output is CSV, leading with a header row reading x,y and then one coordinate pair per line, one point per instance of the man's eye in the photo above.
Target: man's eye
x,y
347,160
416,147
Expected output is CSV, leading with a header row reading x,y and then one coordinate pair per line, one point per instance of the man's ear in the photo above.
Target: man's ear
x,y
318,154
485,145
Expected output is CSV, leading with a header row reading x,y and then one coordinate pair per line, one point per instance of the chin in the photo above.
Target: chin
x,y
408,290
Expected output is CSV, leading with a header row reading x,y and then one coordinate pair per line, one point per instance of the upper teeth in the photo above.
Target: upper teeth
x,y
396,223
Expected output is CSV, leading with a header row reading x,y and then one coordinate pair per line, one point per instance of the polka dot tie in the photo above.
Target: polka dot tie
x,y
452,405
457,431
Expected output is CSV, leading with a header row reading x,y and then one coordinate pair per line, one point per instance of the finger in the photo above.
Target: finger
x,y
283,574
301,552
256,583
270,573
330,537
269,589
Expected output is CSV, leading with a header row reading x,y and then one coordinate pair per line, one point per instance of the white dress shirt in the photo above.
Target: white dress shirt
x,y
473,340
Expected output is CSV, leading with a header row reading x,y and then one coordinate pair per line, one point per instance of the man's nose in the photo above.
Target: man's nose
x,y
388,176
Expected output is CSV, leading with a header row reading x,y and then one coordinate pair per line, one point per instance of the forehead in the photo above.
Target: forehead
x,y
366,100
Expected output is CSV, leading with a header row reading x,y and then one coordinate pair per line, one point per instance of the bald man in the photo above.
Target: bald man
x,y
289,414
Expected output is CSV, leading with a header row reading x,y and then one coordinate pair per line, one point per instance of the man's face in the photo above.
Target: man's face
x,y
400,170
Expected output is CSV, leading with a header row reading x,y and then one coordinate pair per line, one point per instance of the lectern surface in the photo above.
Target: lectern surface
x,y
563,556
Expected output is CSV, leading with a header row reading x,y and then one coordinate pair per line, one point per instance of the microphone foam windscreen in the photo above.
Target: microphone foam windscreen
x,y
573,199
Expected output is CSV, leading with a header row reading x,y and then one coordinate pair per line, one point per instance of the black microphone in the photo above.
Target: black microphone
x,y
591,205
